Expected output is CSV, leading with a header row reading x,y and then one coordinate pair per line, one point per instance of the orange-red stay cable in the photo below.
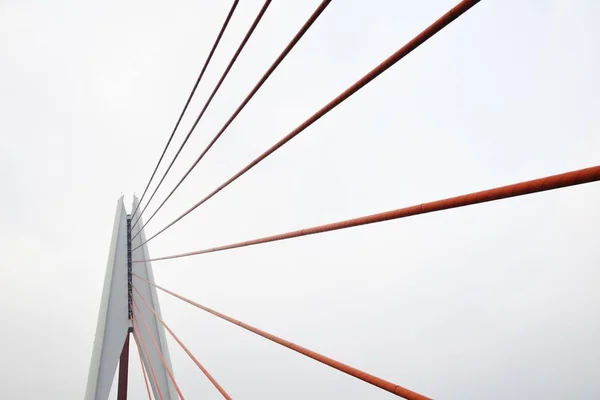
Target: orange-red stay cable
x,y
187,103
381,383
208,375
578,177
158,350
250,95
136,330
434,28
259,16
143,369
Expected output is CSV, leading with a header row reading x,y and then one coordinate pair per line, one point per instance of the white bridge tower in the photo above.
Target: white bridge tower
x,y
111,344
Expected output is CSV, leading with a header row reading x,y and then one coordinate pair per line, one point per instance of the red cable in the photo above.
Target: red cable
x,y
578,177
143,368
136,329
381,383
438,25
262,80
208,375
210,98
160,354
187,103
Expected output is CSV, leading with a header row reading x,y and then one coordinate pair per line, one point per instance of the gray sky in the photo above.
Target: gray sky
x,y
494,301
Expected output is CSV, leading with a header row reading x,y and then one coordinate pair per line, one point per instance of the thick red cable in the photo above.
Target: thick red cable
x,y
210,98
143,368
572,178
381,383
187,103
262,80
437,26
158,350
204,370
136,329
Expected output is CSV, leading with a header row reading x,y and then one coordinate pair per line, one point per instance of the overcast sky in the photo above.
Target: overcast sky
x,y
494,301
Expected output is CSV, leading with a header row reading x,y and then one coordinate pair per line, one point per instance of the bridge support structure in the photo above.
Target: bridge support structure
x,y
111,344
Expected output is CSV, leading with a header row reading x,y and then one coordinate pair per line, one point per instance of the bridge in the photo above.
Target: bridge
x,y
130,304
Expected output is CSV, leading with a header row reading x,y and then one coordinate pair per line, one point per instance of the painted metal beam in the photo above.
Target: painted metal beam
x,y
124,370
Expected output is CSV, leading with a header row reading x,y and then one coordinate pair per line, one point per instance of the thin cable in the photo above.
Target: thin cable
x,y
208,375
187,103
438,25
160,354
572,178
381,383
210,98
143,368
136,329
262,80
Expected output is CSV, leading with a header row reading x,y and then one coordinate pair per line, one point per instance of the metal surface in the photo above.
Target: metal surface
x,y
373,380
129,268
572,178
123,370
113,320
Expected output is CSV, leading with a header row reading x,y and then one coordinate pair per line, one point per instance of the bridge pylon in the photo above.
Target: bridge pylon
x,y
115,317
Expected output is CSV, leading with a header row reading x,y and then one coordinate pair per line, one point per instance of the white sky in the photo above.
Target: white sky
x,y
491,302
